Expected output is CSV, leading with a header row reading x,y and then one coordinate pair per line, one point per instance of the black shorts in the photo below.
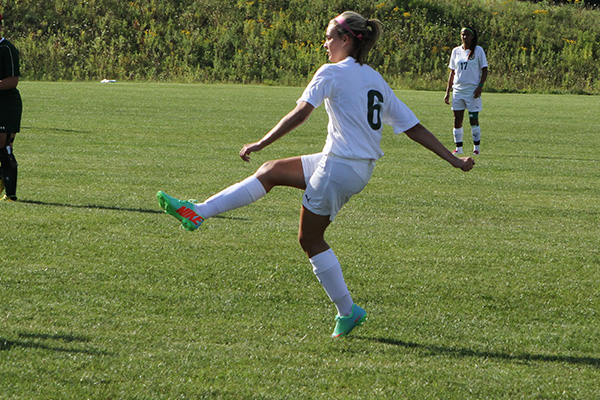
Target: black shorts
x,y
11,108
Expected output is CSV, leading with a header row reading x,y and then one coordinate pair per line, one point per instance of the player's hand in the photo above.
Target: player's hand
x,y
447,98
249,148
466,163
477,92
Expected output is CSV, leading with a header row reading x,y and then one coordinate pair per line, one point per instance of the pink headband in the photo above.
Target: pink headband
x,y
342,21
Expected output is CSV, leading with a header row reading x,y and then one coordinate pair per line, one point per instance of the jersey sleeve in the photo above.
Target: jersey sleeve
x,y
398,115
452,63
9,59
319,88
482,58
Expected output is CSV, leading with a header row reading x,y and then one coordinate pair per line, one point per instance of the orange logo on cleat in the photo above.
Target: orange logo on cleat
x,y
190,214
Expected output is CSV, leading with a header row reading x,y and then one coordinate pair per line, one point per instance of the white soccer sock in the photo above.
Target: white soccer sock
x,y
235,196
328,270
458,136
476,132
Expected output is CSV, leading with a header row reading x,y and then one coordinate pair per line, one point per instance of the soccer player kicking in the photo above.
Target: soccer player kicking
x,y
358,102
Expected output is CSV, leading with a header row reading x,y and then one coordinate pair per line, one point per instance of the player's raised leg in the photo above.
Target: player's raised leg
x,y
285,172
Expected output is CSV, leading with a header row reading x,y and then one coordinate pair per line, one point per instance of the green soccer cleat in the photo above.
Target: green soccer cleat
x,y
181,209
8,198
344,325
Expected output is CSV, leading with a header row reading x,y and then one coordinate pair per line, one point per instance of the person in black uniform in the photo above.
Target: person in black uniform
x,y
11,109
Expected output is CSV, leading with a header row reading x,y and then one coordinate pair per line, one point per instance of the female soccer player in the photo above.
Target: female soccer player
x,y
468,72
358,102
10,116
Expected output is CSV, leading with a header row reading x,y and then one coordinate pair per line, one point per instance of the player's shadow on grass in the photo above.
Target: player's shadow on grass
x,y
115,208
52,342
33,128
558,158
93,206
465,352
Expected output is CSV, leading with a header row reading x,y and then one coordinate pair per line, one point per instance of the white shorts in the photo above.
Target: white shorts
x,y
331,181
469,103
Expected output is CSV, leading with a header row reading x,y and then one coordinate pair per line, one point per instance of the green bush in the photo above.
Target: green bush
x,y
530,46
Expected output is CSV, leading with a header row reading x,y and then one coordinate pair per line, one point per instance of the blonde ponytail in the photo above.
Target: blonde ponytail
x,y
364,33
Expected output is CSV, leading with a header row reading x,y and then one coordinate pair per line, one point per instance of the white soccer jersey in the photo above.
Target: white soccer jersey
x,y
357,100
467,73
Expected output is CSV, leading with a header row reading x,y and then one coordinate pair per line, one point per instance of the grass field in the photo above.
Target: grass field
x,y
480,285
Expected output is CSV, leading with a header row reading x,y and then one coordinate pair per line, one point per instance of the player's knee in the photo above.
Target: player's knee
x,y
303,240
7,158
307,242
4,156
266,168
312,244
474,118
269,173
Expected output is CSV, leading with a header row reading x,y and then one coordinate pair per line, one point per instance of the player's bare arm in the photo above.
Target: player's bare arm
x,y
479,89
421,135
292,120
449,87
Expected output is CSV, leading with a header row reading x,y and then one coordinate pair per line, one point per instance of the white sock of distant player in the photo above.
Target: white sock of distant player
x,y
235,196
476,132
329,272
458,137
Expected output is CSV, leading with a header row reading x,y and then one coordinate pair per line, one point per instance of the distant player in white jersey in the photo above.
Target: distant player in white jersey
x,y
468,72
358,102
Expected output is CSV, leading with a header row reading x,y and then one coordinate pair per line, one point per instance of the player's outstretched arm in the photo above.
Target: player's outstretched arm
x,y
421,135
292,120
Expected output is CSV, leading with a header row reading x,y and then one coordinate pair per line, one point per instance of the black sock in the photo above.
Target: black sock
x,y
9,166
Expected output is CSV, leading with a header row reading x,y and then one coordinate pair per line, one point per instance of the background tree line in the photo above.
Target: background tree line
x,y
531,46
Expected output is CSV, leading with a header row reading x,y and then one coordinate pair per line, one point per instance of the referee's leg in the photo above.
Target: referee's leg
x,y
8,165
